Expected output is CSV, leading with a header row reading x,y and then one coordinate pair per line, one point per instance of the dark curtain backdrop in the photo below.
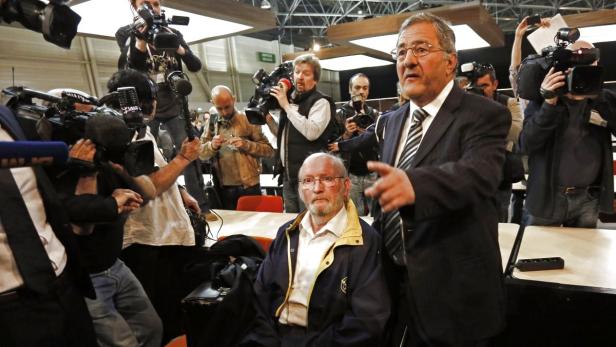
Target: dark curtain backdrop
x,y
383,79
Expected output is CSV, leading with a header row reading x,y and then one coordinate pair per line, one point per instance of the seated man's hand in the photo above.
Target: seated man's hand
x,y
190,202
190,149
394,189
127,200
83,150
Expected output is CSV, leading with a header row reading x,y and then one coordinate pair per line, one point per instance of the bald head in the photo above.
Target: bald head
x,y
317,159
223,101
581,44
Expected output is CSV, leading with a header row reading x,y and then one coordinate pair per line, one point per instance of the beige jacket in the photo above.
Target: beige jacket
x,y
236,166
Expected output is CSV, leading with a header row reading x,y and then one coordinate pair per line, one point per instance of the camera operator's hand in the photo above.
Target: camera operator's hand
x,y
333,147
190,149
140,43
189,202
350,128
83,150
127,200
281,95
217,142
181,50
552,81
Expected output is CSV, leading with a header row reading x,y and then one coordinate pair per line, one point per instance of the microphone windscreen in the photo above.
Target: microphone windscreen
x,y
287,84
183,87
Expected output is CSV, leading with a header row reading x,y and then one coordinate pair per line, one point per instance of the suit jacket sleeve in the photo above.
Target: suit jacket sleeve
x,y
472,176
360,142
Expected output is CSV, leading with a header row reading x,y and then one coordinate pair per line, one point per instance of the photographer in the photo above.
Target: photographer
x,y
567,139
159,236
137,53
354,117
306,125
121,313
483,80
235,147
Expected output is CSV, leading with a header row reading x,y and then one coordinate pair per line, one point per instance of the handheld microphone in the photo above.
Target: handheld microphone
x,y
30,153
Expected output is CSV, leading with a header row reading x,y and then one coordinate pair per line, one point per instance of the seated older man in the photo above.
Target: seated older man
x,y
322,282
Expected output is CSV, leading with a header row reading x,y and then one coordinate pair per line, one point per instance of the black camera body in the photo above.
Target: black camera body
x,y
54,19
60,121
584,79
473,71
157,32
362,120
262,102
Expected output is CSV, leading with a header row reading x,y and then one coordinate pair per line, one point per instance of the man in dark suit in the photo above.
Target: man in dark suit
x,y
442,158
41,281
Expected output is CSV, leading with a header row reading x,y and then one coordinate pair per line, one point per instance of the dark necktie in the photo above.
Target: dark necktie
x,y
30,255
392,223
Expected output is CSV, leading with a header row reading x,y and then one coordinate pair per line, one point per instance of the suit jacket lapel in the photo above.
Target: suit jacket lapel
x,y
394,129
439,125
9,122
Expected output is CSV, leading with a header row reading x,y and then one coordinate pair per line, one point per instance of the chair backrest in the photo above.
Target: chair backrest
x,y
260,203
179,341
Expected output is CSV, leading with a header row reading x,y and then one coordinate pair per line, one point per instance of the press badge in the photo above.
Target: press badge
x,y
596,119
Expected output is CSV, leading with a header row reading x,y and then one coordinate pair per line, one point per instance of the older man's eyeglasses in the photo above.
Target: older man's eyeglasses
x,y
418,50
327,181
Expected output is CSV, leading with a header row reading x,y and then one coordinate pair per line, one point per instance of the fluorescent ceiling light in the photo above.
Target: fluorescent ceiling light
x,y
600,33
352,62
466,38
104,17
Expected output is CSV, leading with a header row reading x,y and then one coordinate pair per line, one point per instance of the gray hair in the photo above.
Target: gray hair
x,y
446,37
336,161
311,60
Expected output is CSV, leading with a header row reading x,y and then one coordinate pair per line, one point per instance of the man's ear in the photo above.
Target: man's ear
x,y
452,63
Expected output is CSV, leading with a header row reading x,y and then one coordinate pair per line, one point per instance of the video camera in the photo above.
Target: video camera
x,y
55,20
262,102
362,120
583,79
157,32
110,130
473,71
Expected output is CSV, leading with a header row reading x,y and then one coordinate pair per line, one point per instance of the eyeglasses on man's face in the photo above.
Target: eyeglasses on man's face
x,y
419,50
327,181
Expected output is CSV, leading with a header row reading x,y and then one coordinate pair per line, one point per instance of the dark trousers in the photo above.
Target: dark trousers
x,y
193,177
403,329
60,319
576,208
160,269
231,194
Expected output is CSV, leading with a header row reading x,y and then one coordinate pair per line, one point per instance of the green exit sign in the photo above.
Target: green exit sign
x,y
266,57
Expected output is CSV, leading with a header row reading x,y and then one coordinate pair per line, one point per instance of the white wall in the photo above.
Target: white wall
x,y
90,62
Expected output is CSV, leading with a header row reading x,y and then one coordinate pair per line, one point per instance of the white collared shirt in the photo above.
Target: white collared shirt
x,y
10,277
311,127
431,108
163,221
312,248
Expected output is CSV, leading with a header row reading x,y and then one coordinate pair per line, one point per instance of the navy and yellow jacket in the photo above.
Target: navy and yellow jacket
x,y
349,302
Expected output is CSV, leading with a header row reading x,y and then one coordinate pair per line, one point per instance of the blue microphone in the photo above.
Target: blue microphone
x,y
30,153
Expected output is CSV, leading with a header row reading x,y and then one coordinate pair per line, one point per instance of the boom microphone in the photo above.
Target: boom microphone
x,y
29,153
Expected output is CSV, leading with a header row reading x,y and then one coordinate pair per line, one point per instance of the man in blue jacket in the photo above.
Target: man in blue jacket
x,y
322,282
